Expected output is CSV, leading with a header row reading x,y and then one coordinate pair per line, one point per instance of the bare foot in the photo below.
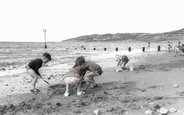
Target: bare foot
x,y
80,93
66,94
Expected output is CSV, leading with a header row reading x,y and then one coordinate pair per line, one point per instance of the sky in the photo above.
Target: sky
x,y
24,20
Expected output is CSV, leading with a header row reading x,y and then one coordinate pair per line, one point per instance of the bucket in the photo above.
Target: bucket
x,y
131,68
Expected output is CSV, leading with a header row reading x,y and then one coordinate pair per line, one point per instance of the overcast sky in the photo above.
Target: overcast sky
x,y
24,20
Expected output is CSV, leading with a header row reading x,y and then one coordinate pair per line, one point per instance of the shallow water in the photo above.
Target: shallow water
x,y
14,56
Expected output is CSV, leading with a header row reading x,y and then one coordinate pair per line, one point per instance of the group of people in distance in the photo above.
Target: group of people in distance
x,y
76,75
177,48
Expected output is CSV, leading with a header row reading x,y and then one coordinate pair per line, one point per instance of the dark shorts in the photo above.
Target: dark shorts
x,y
99,70
27,68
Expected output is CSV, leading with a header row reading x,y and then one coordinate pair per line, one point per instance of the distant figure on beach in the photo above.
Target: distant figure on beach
x,y
33,67
169,46
90,76
76,74
177,48
148,47
122,60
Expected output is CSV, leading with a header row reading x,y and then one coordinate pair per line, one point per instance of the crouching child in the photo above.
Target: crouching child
x,y
122,61
76,74
90,76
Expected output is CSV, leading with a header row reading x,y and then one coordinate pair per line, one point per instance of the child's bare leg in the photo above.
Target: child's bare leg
x,y
79,92
79,86
91,76
93,83
34,76
177,52
67,90
34,82
124,63
118,63
70,81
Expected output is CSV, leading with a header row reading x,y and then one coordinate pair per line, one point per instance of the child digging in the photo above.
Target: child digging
x,y
90,76
76,74
122,60
32,69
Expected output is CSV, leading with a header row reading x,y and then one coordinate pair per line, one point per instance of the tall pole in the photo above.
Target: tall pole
x,y
44,30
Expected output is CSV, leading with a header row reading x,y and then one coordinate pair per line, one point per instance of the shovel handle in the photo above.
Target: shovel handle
x,y
86,88
45,80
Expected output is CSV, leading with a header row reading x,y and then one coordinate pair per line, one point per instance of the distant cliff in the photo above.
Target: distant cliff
x,y
173,35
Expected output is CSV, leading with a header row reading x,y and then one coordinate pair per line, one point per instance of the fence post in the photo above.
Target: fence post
x,y
159,48
129,49
143,49
116,49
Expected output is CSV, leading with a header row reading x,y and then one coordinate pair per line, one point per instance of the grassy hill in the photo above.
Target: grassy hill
x,y
148,37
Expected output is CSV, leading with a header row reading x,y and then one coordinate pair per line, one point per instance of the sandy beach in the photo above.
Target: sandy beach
x,y
155,87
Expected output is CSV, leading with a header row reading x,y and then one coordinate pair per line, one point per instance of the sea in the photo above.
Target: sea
x,y
15,56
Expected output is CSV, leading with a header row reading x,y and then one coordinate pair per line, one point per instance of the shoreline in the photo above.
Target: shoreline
x,y
105,60
10,70
108,64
